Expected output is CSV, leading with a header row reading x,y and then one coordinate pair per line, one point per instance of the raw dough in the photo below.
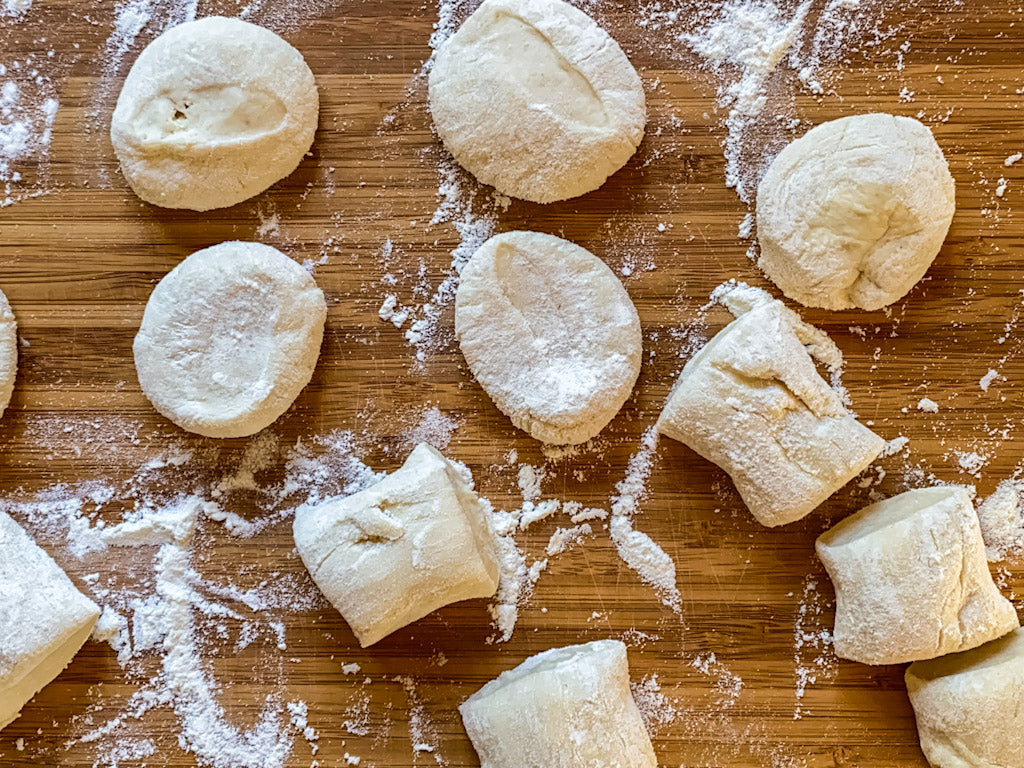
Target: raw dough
x,y
8,352
229,338
970,706
414,542
853,213
752,402
213,112
550,334
532,97
911,579
44,619
563,708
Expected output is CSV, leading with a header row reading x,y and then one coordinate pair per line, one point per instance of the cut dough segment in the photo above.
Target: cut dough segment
x,y
213,112
563,708
229,338
853,213
8,352
911,579
550,334
414,542
970,706
752,402
44,619
532,97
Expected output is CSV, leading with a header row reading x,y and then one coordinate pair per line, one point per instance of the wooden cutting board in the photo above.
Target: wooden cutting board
x,y
79,262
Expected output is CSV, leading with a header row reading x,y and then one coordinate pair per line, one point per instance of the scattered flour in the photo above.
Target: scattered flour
x,y
564,539
986,381
927,405
813,655
28,108
1001,516
15,9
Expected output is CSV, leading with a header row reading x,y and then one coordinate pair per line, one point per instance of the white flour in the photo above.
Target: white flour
x,y
15,9
1001,516
28,108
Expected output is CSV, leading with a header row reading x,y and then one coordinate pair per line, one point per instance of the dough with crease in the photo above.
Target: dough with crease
x,y
8,352
389,555
44,619
213,112
550,334
563,708
535,99
229,338
911,579
853,213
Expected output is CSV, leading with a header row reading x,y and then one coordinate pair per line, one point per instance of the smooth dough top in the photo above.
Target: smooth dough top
x,y
213,112
8,352
229,338
853,213
550,334
535,99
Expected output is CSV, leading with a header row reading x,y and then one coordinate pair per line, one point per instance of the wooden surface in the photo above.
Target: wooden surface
x,y
78,264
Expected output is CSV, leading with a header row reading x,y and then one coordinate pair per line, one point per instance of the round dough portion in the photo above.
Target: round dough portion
x,y
229,338
550,334
213,112
8,352
535,99
853,213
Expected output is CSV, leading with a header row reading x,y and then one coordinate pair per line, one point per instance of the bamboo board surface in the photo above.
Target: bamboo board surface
x,y
78,264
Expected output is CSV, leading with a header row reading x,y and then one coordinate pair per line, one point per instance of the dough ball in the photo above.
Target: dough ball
x,y
911,579
414,542
853,213
970,706
8,352
213,112
563,708
752,401
44,619
229,338
535,99
550,334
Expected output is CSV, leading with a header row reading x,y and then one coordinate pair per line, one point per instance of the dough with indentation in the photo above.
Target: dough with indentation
x,y
563,708
44,619
213,112
535,99
389,555
8,352
550,334
229,338
853,213
911,579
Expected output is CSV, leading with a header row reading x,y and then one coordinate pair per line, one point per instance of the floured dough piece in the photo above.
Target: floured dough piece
x,y
752,402
550,334
911,579
414,542
970,706
213,112
532,97
229,338
853,213
44,619
8,352
563,708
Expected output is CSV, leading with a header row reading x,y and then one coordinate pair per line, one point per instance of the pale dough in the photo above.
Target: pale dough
x,y
550,334
535,99
8,352
752,402
911,579
970,706
414,542
853,213
213,112
229,338
563,708
44,619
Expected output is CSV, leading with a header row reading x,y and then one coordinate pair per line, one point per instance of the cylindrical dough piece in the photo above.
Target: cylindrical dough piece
x,y
911,579
563,708
550,334
752,402
970,706
8,352
414,542
229,338
535,99
213,112
853,213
